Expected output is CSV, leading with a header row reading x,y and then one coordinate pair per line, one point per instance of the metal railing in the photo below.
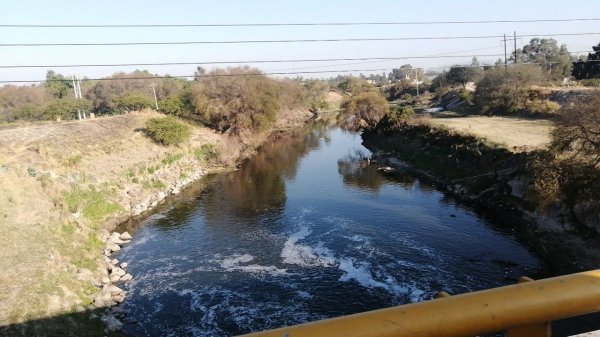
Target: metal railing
x,y
524,309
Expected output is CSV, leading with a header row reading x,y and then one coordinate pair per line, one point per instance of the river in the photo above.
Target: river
x,y
308,230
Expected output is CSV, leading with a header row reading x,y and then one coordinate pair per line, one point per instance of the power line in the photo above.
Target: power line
x,y
241,62
261,74
292,24
280,41
391,58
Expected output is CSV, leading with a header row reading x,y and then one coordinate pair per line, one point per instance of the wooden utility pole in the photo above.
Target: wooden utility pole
x,y
515,36
505,54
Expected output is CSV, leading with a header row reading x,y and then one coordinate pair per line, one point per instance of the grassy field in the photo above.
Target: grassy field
x,y
59,181
515,134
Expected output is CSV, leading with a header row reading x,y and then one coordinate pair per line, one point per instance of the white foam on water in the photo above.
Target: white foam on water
x,y
303,255
236,263
361,272
304,295
216,304
235,260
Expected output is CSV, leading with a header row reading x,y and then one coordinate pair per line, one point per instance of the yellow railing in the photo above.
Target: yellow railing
x,y
524,309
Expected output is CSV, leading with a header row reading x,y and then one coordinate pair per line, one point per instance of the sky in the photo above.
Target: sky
x,y
263,11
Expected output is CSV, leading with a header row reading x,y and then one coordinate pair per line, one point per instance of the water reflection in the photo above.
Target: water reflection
x,y
259,188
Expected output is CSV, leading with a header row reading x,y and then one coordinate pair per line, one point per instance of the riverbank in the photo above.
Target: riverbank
x,y
478,171
65,186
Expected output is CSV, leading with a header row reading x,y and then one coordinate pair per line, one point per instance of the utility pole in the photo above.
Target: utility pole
x,y
505,55
417,79
515,47
154,92
76,92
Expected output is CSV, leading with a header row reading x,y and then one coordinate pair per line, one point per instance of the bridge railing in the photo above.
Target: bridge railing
x,y
521,310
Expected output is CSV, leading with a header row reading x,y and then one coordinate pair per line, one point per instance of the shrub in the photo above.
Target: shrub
x,y
396,116
236,104
363,110
541,106
177,105
168,130
133,101
207,152
466,95
66,108
592,82
506,90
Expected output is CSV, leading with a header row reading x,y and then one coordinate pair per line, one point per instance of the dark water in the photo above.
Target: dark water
x,y
307,230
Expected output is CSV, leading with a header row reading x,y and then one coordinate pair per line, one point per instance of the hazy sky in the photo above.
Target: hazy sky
x,y
230,11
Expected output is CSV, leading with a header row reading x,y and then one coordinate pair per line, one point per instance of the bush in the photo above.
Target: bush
x,y
245,103
541,106
177,105
168,130
133,101
363,110
66,108
592,82
506,90
207,152
92,203
396,116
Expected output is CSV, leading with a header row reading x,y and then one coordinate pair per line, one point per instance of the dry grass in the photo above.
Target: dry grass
x,y
44,242
515,134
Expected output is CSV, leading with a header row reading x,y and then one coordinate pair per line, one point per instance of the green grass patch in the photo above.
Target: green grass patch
x,y
153,185
94,204
206,152
171,158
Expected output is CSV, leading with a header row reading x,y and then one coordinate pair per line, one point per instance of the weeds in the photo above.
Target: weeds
x,y
206,152
92,203
153,184
171,158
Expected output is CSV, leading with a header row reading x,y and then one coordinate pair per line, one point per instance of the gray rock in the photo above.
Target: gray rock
x,y
119,298
126,277
175,191
106,280
112,290
519,186
114,262
113,247
161,195
117,271
116,241
124,265
125,236
107,252
114,278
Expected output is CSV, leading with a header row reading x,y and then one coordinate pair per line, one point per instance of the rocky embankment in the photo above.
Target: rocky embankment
x,y
497,179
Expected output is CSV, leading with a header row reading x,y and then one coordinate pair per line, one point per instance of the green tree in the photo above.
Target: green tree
x,y
406,72
555,60
590,67
57,85
462,75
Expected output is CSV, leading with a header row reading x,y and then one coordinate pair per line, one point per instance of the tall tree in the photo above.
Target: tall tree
x,y
406,72
590,67
554,59
461,75
57,85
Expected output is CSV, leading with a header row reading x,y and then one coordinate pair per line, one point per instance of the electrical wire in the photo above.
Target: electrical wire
x,y
261,74
280,41
290,24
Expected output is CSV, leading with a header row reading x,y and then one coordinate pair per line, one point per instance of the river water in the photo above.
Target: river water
x,y
308,230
